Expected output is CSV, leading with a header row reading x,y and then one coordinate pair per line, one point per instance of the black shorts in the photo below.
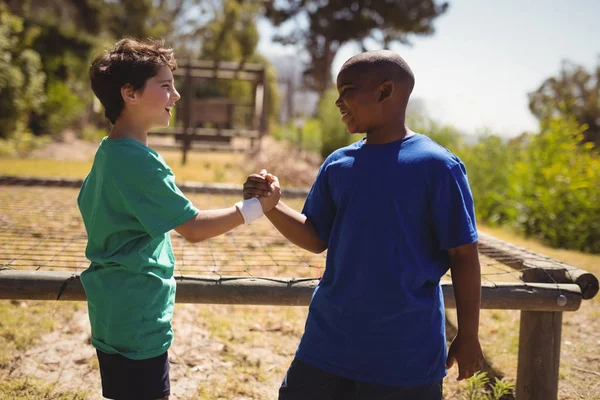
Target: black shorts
x,y
303,381
123,378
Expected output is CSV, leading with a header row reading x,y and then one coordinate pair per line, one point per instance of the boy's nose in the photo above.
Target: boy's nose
x,y
338,102
176,95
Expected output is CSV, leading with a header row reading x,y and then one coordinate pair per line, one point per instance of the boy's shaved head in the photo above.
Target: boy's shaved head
x,y
382,65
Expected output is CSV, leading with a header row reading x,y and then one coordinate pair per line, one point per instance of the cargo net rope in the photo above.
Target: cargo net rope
x,y
42,253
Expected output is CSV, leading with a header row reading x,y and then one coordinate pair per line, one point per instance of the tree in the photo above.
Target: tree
x,y
21,78
575,92
232,35
150,18
334,23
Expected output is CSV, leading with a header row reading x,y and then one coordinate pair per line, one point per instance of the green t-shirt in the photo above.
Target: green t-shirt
x,y
129,202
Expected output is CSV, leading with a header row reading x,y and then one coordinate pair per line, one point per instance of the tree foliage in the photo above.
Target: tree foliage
x,y
333,23
232,35
333,131
21,77
573,92
545,185
555,185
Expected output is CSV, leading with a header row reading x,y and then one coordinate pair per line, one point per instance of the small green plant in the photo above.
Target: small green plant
x,y
477,388
22,143
92,133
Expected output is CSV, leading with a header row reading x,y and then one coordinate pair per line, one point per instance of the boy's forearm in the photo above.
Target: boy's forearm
x,y
466,279
212,223
296,228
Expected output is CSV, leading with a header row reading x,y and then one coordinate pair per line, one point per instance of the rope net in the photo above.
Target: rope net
x,y
41,230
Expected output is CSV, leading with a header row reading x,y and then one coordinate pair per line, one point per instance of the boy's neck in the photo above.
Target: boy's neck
x,y
125,128
391,131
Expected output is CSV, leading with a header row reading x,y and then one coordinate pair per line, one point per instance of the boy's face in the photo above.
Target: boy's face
x,y
358,100
157,99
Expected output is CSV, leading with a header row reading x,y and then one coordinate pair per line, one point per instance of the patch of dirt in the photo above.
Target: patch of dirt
x,y
580,353
66,147
66,358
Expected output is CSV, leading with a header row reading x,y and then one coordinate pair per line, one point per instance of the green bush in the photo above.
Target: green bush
x,y
22,143
555,185
333,131
546,185
490,163
62,108
92,133
306,136
21,78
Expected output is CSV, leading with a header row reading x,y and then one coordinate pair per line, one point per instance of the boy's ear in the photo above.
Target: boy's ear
x,y
128,94
386,90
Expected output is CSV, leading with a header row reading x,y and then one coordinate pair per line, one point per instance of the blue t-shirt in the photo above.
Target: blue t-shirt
x,y
389,213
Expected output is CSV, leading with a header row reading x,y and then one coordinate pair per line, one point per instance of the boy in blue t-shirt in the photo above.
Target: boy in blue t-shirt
x,y
395,212
129,202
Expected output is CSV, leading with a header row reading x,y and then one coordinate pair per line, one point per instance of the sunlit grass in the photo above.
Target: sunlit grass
x,y
30,389
200,167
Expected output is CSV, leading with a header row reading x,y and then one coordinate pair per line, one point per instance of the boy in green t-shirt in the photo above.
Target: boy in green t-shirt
x,y
129,202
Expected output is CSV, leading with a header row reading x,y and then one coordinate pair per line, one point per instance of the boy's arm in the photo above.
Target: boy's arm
x,y
293,225
466,279
210,223
296,228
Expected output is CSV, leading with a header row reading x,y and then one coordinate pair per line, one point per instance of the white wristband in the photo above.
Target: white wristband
x,y
251,210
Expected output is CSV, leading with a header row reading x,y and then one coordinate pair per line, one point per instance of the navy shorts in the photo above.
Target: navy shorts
x,y
304,381
123,378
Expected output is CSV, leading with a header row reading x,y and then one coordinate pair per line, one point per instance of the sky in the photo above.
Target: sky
x,y
475,72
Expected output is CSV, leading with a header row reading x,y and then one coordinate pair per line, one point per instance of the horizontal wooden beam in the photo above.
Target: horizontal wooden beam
x,y
221,74
201,147
187,187
222,65
179,132
55,285
537,267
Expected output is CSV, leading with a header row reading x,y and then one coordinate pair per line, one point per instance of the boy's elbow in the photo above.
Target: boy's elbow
x,y
197,236
190,232
194,239
318,250
317,247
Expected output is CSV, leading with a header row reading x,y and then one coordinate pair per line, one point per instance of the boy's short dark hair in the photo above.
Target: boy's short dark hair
x,y
130,62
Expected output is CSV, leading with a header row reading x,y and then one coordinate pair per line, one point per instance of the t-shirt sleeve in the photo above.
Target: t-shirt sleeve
x,y
453,210
163,206
319,207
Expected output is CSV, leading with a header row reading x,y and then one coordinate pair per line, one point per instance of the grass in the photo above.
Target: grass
x,y
22,323
201,167
258,345
29,389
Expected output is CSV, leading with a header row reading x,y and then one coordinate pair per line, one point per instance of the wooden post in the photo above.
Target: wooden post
x,y
259,93
289,95
189,99
539,355
265,112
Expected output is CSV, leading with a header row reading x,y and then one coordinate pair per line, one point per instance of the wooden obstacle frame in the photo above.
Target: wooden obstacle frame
x,y
546,290
207,123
